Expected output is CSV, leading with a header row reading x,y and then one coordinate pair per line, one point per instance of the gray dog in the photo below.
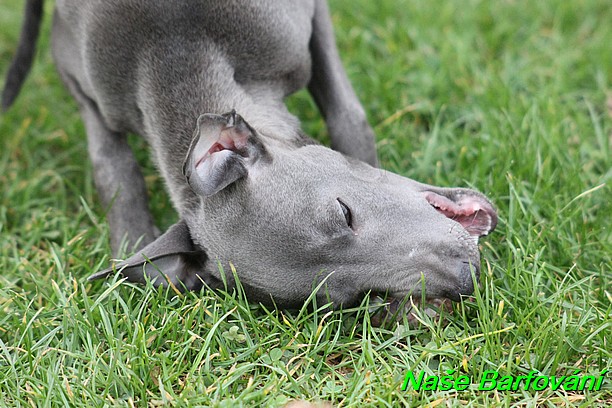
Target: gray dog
x,y
203,81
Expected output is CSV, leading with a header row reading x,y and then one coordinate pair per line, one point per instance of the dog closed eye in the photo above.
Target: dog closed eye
x,y
346,211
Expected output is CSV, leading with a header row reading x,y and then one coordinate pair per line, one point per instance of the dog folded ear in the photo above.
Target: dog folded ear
x,y
171,258
222,149
467,207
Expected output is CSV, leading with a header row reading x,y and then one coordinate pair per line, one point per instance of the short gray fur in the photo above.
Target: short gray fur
x,y
250,188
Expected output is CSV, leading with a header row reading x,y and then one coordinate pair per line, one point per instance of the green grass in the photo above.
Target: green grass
x,y
508,97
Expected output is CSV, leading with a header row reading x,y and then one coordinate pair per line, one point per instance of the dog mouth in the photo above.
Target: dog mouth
x,y
386,310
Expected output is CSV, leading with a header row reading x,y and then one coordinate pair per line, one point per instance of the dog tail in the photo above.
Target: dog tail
x,y
22,62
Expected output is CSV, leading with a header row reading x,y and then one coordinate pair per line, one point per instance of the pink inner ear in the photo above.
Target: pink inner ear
x,y
230,138
474,213
217,147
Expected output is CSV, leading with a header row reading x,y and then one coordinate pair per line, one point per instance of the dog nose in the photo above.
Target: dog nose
x,y
466,285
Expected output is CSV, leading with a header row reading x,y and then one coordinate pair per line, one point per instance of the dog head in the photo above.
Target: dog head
x,y
289,218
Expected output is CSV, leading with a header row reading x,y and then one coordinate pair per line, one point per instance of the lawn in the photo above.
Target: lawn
x,y
513,98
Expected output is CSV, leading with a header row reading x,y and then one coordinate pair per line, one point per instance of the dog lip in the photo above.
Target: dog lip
x,y
454,295
407,298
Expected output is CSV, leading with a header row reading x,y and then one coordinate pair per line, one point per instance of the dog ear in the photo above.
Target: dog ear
x,y
170,259
467,207
222,148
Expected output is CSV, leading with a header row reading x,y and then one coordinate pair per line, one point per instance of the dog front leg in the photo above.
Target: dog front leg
x,y
120,184
329,85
